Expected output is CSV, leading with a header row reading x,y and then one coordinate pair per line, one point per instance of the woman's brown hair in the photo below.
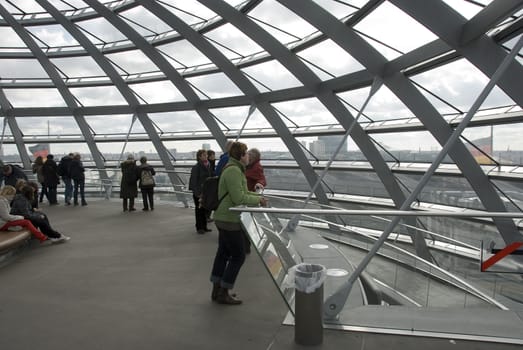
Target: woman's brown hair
x,y
199,154
238,150
28,192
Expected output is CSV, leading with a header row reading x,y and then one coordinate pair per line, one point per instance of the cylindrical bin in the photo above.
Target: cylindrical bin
x,y
308,304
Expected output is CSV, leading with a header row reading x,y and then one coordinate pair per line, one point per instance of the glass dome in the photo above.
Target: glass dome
x,y
356,104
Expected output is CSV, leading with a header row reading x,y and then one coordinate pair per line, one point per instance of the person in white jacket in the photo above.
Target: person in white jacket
x,y
7,220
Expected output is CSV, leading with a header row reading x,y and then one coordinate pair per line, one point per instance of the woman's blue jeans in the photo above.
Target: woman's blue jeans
x,y
229,258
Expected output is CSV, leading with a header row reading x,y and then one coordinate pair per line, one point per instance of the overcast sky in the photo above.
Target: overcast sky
x,y
459,82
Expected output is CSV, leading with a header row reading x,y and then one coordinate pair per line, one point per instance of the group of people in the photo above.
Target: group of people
x,y
19,207
134,176
206,167
241,182
70,170
19,197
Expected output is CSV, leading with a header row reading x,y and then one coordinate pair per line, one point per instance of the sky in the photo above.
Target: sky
x,y
458,82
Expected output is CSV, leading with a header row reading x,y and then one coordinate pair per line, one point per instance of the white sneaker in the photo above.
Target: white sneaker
x,y
61,239
65,237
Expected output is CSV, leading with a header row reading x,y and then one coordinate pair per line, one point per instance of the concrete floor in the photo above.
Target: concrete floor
x,y
140,281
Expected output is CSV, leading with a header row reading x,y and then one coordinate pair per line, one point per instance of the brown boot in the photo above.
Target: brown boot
x,y
223,297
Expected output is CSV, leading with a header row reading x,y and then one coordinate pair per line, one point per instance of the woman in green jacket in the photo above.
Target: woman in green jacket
x,y
231,246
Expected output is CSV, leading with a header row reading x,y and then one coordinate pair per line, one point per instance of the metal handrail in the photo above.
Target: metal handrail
x,y
468,213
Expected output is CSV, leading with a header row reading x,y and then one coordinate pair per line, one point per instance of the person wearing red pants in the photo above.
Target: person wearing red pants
x,y
7,220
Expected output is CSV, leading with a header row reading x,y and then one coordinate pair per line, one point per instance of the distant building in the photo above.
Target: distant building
x,y
331,143
317,148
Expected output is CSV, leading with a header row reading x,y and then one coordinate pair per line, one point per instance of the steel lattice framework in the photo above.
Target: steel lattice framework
x,y
481,40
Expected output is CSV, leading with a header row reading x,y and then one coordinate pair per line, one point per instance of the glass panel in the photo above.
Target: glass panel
x,y
20,69
189,11
507,146
37,98
144,22
179,123
232,42
511,192
43,127
214,86
76,67
341,63
273,75
384,33
19,5
185,151
284,179
449,80
109,124
281,23
64,6
52,35
446,190
9,39
182,54
270,148
98,96
10,154
100,31
384,105
233,118
157,92
132,62
354,183
61,149
467,9
304,113
341,9
414,146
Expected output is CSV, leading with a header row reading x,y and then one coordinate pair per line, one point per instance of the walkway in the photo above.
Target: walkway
x,y
140,281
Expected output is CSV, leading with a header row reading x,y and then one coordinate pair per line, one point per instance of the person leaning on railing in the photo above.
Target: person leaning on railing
x,y
230,255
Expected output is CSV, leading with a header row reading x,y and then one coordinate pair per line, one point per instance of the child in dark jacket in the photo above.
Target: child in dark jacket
x,y
21,205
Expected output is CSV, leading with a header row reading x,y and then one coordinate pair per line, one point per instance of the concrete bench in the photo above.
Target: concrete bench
x,y
12,239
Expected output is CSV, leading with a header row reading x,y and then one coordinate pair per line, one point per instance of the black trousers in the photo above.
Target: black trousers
x,y
40,221
199,214
128,203
147,197
79,185
51,194
43,192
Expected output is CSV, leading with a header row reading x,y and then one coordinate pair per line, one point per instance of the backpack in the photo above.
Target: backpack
x,y
146,178
209,199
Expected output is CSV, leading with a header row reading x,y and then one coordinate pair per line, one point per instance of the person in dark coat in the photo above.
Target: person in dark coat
x,y
128,186
147,189
76,171
51,179
12,173
64,171
199,172
38,170
211,157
